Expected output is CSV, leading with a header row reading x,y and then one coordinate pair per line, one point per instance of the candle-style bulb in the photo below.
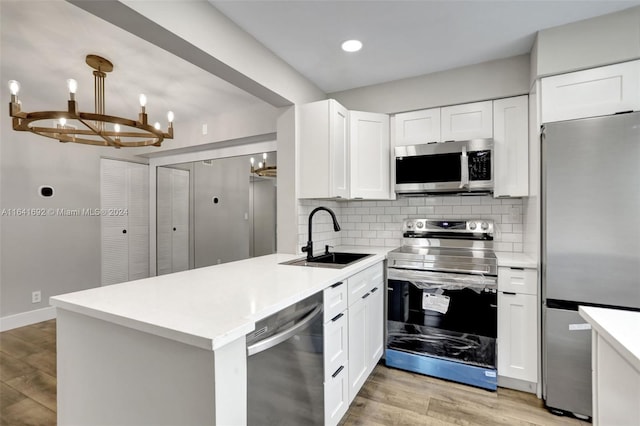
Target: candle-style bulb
x,y
143,100
14,87
157,126
252,161
260,165
116,127
62,121
170,116
264,157
72,85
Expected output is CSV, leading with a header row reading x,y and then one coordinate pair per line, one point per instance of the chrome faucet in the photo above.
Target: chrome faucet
x,y
309,247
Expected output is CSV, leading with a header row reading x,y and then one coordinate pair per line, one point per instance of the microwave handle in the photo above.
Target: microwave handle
x,y
464,168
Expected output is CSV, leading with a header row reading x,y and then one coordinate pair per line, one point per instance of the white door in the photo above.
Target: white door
x,y
417,127
511,146
370,153
163,221
467,121
173,220
124,203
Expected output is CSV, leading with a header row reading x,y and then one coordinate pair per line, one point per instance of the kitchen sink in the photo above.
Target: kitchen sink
x,y
335,260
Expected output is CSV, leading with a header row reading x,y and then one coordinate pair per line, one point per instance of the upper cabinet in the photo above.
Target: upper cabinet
x,y
467,121
593,92
511,147
413,128
324,150
343,154
369,153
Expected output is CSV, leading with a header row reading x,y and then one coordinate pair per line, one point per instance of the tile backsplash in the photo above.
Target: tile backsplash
x,y
379,223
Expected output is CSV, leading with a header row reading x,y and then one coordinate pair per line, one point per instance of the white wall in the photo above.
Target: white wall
x,y
593,42
488,80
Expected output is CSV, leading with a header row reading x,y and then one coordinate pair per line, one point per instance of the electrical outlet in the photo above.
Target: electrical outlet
x,y
36,296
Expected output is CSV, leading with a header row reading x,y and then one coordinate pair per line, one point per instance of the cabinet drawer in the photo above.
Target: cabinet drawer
x,y
335,300
336,398
364,281
518,280
335,343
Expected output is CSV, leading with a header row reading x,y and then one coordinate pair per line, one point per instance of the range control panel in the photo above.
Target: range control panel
x,y
456,226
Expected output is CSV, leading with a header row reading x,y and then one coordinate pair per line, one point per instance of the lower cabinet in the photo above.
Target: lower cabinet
x,y
353,338
518,328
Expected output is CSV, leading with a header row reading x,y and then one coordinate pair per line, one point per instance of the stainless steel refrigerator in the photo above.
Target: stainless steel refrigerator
x,y
591,243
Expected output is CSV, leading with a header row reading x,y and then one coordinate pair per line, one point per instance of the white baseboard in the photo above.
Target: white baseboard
x,y
27,318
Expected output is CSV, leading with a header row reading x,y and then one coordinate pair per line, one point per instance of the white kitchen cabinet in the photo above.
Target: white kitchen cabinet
x,y
518,326
336,351
369,155
417,127
366,326
324,150
124,221
511,147
343,154
467,121
590,93
173,220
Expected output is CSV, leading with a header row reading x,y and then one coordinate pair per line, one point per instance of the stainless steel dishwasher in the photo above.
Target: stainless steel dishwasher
x,y
285,373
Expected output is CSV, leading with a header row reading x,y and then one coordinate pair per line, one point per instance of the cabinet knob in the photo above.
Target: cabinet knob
x,y
174,229
124,231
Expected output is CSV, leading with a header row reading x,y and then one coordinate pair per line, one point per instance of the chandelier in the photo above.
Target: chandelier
x,y
89,128
263,170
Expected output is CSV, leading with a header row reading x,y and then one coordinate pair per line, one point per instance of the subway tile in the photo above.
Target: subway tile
x,y
387,234
461,210
368,218
393,226
376,210
362,242
517,247
444,210
433,201
392,210
426,210
385,218
393,242
500,246
354,234
354,218
376,226
369,234
376,242
481,209
416,201
452,201
362,210
500,208
347,241
362,226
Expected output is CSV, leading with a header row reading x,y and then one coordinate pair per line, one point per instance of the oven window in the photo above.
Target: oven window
x,y
428,168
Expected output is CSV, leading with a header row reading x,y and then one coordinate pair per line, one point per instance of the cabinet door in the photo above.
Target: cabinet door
x,y
370,153
590,93
313,154
467,121
518,336
412,128
375,311
336,396
511,146
358,346
335,343
339,150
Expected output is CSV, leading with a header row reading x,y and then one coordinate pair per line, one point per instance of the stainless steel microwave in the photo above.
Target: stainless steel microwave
x,y
449,167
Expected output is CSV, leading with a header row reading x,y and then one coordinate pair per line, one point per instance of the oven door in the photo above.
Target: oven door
x,y
443,315
459,166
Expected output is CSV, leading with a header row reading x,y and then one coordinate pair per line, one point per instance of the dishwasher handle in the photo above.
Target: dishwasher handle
x,y
276,339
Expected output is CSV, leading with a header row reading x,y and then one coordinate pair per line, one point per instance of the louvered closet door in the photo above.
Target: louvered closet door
x,y
138,209
180,220
115,241
164,225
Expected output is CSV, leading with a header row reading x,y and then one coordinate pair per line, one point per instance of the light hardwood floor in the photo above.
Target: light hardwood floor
x,y
389,397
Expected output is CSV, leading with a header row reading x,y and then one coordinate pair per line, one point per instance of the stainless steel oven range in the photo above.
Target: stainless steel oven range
x,y
442,301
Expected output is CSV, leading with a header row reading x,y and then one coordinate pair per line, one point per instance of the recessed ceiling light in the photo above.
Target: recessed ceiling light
x,y
352,45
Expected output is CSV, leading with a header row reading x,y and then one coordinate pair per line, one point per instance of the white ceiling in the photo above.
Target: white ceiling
x,y
401,38
44,43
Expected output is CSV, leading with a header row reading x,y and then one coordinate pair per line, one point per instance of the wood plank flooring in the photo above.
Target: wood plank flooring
x,y
389,397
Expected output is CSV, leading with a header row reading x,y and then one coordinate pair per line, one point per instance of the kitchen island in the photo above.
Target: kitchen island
x,y
615,363
171,349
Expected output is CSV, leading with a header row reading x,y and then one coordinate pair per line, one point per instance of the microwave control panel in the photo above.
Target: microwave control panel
x,y
480,165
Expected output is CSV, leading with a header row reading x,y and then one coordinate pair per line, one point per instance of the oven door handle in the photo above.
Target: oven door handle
x,y
440,279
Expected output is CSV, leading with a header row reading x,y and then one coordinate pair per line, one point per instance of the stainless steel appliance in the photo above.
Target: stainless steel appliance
x,y
442,301
450,167
591,243
285,375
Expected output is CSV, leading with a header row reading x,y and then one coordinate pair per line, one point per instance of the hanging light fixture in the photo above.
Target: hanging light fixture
x,y
91,128
263,170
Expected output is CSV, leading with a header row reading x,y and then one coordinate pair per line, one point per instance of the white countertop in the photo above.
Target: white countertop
x,y
516,260
212,306
620,328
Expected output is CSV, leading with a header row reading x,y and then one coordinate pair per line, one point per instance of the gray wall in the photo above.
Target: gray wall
x,y
488,80
586,44
53,254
